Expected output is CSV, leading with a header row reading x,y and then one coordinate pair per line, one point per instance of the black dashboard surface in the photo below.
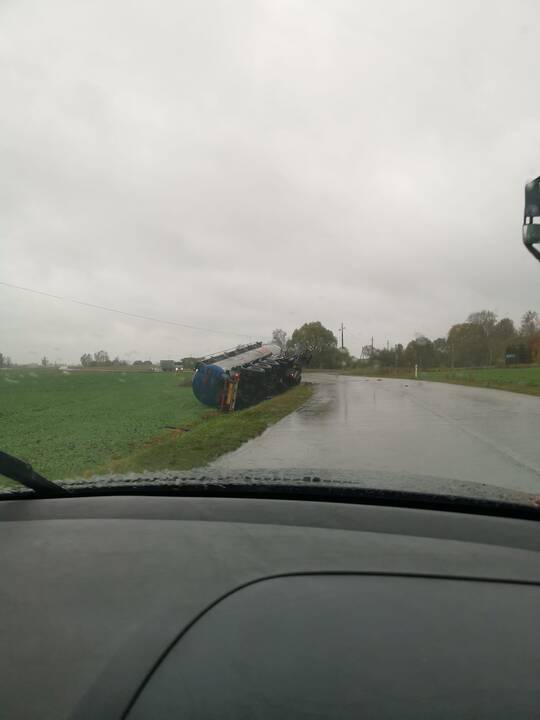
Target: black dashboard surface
x,y
354,646
97,592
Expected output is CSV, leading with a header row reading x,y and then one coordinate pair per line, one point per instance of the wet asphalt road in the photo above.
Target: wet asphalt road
x,y
403,426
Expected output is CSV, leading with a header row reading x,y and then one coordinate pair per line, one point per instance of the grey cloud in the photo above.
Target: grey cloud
x,y
242,166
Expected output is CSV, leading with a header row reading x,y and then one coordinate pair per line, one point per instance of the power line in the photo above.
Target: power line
x,y
121,312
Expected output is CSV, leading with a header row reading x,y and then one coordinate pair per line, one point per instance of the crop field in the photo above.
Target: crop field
x,y
524,379
70,423
517,379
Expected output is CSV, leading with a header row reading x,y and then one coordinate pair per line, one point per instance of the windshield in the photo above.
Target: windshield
x,y
271,236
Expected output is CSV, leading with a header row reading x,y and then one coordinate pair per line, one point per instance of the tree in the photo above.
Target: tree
x,y
319,342
386,358
101,357
280,338
441,352
44,361
190,363
86,360
468,345
502,336
343,358
369,353
1,360
485,318
420,352
504,329
530,323
533,347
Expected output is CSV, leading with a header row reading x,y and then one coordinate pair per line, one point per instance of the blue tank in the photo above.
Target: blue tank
x,y
208,383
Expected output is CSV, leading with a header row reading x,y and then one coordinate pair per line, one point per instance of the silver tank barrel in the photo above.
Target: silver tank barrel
x,y
248,356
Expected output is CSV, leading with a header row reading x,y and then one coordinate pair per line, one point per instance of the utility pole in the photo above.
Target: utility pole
x,y
341,329
372,346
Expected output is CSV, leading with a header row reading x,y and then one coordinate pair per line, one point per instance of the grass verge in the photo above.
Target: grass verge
x,y
524,380
379,372
520,380
208,437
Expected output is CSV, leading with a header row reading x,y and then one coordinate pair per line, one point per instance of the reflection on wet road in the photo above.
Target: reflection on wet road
x,y
403,426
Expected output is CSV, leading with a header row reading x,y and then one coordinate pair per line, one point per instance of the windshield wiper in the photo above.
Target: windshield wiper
x,y
23,473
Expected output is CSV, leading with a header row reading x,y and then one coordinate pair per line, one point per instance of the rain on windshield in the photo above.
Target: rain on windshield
x,y
263,235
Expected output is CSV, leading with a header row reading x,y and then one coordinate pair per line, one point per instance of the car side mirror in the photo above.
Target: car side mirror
x,y
531,229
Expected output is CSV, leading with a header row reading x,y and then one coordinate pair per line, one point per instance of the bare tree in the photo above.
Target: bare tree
x,y
530,323
279,337
101,357
484,318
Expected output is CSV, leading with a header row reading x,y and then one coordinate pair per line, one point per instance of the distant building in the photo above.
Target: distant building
x,y
517,354
524,352
189,363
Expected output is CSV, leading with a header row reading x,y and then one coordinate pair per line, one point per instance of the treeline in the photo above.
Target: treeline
x,y
482,340
100,359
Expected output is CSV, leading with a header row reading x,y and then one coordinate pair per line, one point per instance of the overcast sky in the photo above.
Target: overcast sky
x,y
246,165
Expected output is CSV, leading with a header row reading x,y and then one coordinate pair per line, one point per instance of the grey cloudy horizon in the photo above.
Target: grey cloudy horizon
x,y
242,166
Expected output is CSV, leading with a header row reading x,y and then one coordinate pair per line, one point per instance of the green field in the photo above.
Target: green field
x,y
518,379
68,424
515,379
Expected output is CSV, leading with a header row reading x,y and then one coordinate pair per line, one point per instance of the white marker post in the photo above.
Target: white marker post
x,y
416,372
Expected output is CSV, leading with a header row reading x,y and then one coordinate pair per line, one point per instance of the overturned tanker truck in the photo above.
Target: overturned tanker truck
x,y
246,375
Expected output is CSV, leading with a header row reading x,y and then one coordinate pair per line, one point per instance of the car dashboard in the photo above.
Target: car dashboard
x,y
202,607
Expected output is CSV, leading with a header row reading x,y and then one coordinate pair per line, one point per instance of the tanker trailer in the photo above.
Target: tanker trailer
x,y
244,376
